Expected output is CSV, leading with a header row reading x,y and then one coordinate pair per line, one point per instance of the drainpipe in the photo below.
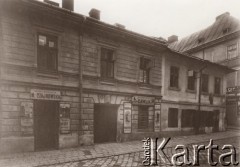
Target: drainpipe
x,y
80,34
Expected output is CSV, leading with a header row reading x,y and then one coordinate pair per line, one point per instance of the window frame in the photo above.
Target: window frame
x,y
107,61
207,84
55,49
174,77
192,78
172,124
144,70
227,50
143,109
217,91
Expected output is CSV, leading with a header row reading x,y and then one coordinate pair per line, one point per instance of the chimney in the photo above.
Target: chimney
x,y
222,15
51,3
94,13
119,26
172,38
68,4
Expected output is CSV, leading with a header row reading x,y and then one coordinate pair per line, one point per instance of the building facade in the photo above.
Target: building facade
x,y
218,43
69,80
40,98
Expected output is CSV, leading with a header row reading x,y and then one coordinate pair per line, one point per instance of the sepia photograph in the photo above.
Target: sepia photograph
x,y
128,83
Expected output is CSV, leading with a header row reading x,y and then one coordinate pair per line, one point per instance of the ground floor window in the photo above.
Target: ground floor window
x,y
187,118
143,117
173,117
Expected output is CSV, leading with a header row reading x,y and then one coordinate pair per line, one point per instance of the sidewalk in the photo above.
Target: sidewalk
x,y
99,151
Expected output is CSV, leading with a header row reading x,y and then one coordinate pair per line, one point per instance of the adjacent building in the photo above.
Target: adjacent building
x,y
69,80
218,43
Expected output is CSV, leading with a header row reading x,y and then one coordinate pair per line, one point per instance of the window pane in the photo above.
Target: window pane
x,y
143,117
103,68
204,83
187,118
51,44
232,51
110,70
42,40
217,85
173,117
174,72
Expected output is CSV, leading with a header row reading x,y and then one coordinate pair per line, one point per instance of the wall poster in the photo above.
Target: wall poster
x,y
127,117
64,118
26,118
157,110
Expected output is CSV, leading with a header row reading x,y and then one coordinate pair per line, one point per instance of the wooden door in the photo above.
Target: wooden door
x,y
105,123
46,125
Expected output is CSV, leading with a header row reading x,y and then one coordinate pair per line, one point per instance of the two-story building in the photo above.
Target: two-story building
x,y
69,80
218,43
40,98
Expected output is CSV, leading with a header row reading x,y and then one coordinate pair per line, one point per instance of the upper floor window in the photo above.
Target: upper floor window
x,y
217,85
232,51
144,70
47,52
204,83
174,74
191,80
107,63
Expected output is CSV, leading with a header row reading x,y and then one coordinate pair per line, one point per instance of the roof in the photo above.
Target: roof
x,y
223,26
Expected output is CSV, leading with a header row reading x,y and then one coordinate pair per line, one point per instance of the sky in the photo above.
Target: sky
x,y
160,18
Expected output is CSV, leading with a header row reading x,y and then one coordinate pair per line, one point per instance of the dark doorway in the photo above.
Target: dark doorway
x,y
105,123
46,123
216,120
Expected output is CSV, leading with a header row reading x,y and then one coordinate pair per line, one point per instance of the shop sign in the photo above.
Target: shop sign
x,y
45,94
233,90
143,100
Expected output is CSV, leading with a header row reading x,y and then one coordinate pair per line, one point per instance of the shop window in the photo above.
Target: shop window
x,y
206,119
232,51
144,70
174,74
191,80
143,115
205,83
107,63
217,85
47,52
187,118
173,117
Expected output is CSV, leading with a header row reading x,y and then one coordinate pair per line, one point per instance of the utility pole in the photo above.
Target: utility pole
x,y
197,115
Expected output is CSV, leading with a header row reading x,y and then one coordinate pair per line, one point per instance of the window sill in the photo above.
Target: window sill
x,y
205,93
174,88
107,81
217,95
48,74
191,91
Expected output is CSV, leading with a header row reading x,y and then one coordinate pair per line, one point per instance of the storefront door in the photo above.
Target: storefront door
x,y
105,123
46,123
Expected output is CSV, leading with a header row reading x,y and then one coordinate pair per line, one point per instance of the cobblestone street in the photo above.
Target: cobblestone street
x,y
113,154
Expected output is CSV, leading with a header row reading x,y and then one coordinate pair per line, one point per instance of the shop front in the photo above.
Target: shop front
x,y
117,118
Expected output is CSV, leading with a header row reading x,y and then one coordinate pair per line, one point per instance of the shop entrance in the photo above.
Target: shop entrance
x,y
46,124
105,123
